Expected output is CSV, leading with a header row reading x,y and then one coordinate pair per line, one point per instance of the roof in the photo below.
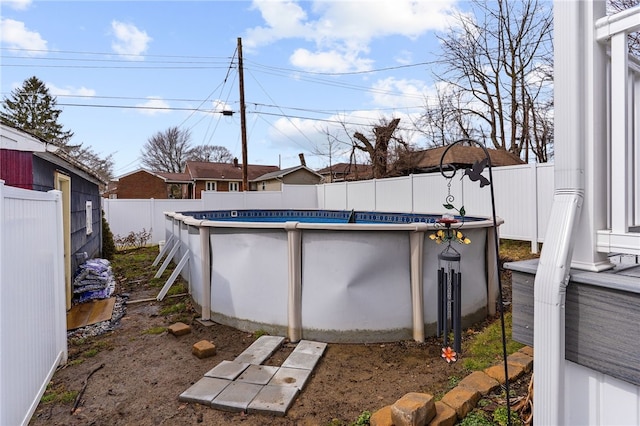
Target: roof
x,y
203,170
174,177
344,168
20,140
284,172
463,155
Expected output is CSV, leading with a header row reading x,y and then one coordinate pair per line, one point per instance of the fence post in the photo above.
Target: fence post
x,y
60,281
534,180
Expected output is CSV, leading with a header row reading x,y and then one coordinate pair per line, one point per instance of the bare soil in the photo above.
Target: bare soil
x,y
140,375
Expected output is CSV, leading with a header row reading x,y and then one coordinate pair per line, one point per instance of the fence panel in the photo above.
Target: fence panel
x,y
523,195
335,196
394,195
361,195
33,339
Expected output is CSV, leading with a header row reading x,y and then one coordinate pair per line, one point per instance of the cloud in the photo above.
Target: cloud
x,y
343,31
329,61
155,105
70,91
17,4
400,93
15,35
130,41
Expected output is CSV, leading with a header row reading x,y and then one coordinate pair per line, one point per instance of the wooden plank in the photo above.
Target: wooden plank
x,y
89,313
102,310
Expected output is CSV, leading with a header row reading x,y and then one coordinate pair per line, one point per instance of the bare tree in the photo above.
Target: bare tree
x,y
211,153
496,62
377,146
167,151
102,167
443,121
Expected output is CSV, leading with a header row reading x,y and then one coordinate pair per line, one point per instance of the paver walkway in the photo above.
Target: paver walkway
x,y
244,384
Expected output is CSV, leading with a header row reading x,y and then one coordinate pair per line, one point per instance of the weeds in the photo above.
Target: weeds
x,y
178,308
134,240
485,349
155,330
58,394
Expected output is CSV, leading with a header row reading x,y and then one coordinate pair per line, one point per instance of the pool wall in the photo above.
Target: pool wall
x,y
333,282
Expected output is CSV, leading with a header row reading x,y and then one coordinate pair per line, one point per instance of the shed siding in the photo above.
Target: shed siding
x,y
301,177
82,191
16,168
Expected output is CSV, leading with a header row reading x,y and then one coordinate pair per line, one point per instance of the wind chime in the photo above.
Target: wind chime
x,y
450,280
449,289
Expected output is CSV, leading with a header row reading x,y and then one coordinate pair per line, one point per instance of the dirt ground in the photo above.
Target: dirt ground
x,y
140,375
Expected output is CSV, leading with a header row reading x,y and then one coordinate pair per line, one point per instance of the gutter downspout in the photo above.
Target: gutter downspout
x,y
549,307
577,129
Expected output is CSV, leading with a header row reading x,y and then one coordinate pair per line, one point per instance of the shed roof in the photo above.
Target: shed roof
x,y
284,172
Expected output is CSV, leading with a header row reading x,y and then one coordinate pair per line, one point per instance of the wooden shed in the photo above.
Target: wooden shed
x,y
29,162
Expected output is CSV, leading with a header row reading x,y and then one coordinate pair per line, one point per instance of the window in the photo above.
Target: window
x,y
234,186
210,186
89,216
264,186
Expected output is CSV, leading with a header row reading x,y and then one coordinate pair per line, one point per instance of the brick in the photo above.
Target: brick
x,y
203,349
413,409
179,329
480,381
445,415
527,350
462,400
382,417
497,372
521,360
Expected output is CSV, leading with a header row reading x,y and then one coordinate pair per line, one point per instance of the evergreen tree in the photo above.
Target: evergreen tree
x,y
32,108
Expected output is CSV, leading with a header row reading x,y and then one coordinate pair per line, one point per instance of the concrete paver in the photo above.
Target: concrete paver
x,y
258,374
292,377
204,390
301,360
227,370
246,385
273,400
260,350
236,396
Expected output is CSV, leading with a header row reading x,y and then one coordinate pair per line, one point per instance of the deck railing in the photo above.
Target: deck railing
x,y
623,183
33,341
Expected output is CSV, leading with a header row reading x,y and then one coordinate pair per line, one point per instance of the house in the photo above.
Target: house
x,y
198,176
29,162
223,177
142,183
578,305
460,156
345,172
298,175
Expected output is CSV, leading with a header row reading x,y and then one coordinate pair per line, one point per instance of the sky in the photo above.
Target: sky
x,y
123,71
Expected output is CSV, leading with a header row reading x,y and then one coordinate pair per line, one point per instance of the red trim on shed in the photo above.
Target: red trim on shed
x,y
16,168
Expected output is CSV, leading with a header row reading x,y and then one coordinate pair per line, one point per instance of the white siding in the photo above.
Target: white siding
x,y
33,339
593,398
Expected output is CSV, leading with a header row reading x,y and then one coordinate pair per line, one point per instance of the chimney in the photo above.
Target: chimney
x,y
302,162
235,161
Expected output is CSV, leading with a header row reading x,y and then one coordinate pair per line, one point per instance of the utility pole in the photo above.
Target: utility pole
x,y
243,125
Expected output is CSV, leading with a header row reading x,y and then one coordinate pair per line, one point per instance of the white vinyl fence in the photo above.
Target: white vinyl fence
x,y
523,196
33,341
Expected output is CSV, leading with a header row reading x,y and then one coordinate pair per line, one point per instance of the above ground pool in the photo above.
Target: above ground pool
x,y
334,276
